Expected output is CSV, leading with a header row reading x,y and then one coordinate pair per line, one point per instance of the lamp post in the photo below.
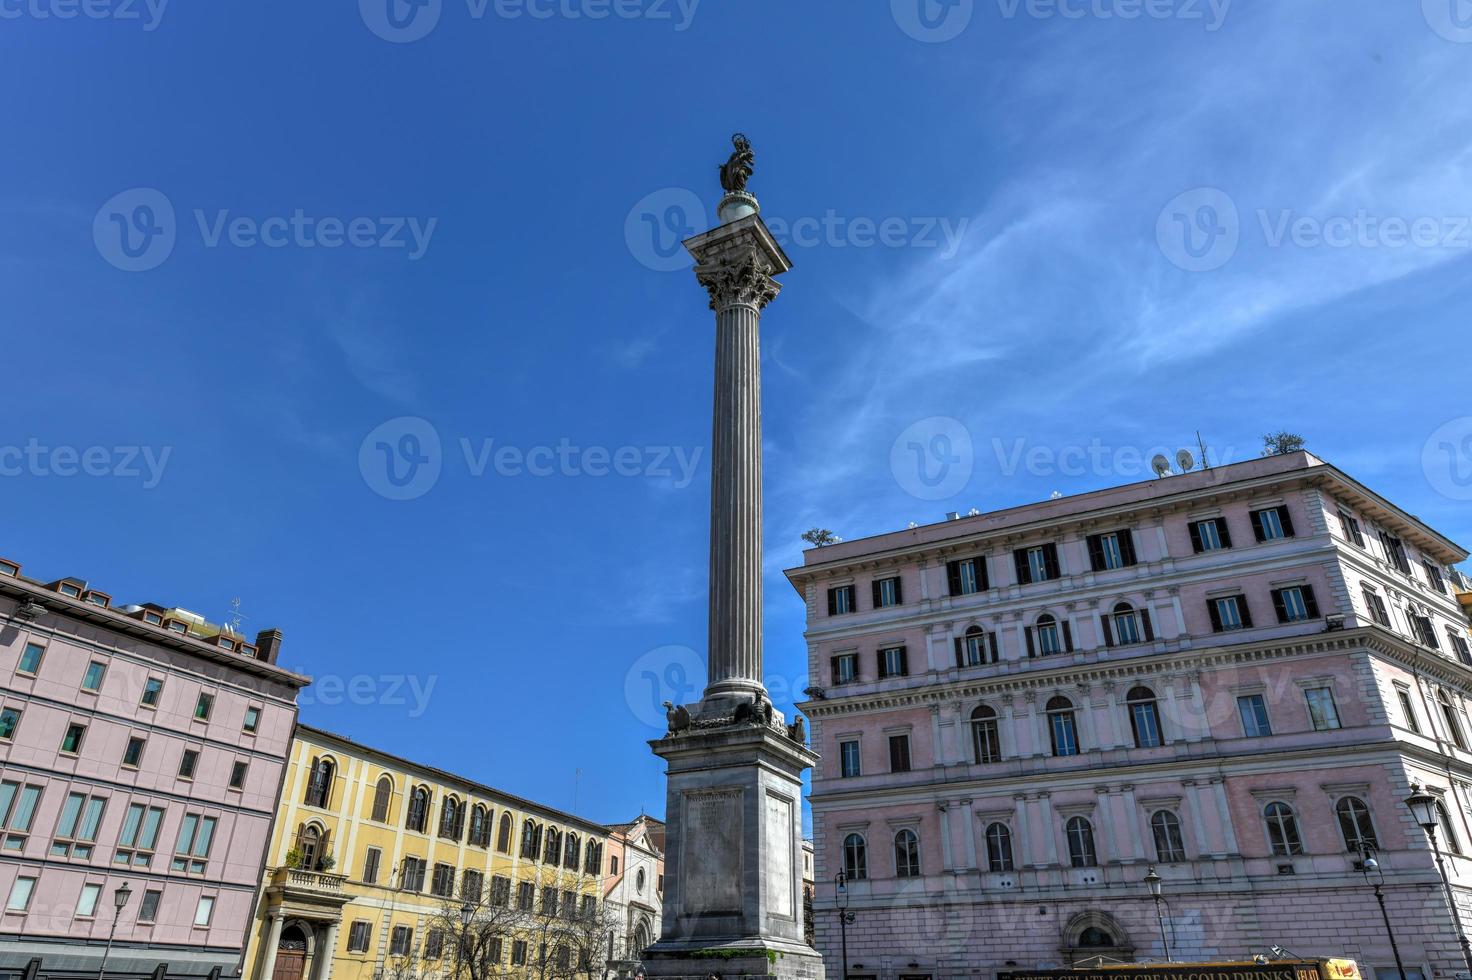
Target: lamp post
x,y
1425,808
119,899
467,912
844,916
1370,866
1154,882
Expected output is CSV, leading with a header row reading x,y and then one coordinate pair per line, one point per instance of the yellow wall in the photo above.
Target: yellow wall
x,y
351,831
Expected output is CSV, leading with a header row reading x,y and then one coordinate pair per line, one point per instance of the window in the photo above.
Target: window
x,y
17,810
401,941
1144,718
71,742
855,857
139,836
1254,714
593,863
1295,604
1165,828
848,759
899,753
967,576
906,854
568,905
418,809
1453,722
319,783
1459,645
1321,709
434,944
1422,629
472,884
518,952
30,659
840,600
87,901
452,818
148,905
1376,606
1433,577
985,736
845,668
887,592
133,752
500,890
480,826
238,772
1283,838
1080,834
1229,613
525,894
383,794
372,858
20,894
204,706
571,851
204,911
1045,635
76,831
1351,528
1395,552
1355,825
1407,711
552,854
188,763
252,720
1062,727
9,722
153,688
1448,830
975,648
549,902
92,679
531,839
893,662
1125,625
999,847
1209,535
358,934
1272,524
1036,564
494,951
191,852
442,883
613,865
411,874
1115,549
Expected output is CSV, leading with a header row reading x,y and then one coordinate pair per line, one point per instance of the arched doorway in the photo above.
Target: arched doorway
x,y
642,938
291,954
1096,938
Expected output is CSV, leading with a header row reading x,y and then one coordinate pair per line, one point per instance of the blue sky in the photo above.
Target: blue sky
x,y
1038,240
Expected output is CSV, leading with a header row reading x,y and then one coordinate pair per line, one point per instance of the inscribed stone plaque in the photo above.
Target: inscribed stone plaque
x,y
711,851
779,856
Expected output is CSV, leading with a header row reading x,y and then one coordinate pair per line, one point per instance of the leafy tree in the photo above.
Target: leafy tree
x,y
818,537
1281,443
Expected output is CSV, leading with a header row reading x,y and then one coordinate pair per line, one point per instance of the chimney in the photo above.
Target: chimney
x,y
268,643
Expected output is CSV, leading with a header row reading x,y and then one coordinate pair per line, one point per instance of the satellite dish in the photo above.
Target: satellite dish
x,y
1185,460
1160,465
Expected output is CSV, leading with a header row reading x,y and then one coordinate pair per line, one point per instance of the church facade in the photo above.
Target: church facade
x,y
1233,676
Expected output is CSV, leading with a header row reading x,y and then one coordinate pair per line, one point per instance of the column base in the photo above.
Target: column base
x,y
757,959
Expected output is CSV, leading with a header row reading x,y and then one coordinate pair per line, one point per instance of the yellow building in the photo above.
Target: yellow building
x,y
399,870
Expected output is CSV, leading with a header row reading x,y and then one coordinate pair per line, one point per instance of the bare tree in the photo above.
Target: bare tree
x,y
567,933
476,949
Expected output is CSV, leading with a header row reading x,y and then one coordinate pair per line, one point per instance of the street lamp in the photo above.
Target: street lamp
x,y
119,899
844,915
1370,866
1426,809
1155,883
467,912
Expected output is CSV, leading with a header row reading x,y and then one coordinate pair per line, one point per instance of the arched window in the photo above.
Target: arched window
x,y
553,852
311,844
452,818
418,809
1126,624
1062,726
999,847
1355,825
480,826
1080,834
531,838
503,836
1049,641
383,796
975,649
1093,938
594,863
1283,836
855,857
1165,827
985,737
1144,718
319,783
572,850
906,854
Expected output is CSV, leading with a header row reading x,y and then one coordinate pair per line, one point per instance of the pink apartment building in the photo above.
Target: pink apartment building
x,y
141,750
1233,675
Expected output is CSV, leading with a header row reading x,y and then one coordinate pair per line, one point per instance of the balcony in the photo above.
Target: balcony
x,y
311,881
314,895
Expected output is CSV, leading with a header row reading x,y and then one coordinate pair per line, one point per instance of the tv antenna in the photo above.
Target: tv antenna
x,y
232,622
1201,445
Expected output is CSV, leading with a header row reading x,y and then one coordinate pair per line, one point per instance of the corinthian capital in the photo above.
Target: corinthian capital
x,y
739,277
